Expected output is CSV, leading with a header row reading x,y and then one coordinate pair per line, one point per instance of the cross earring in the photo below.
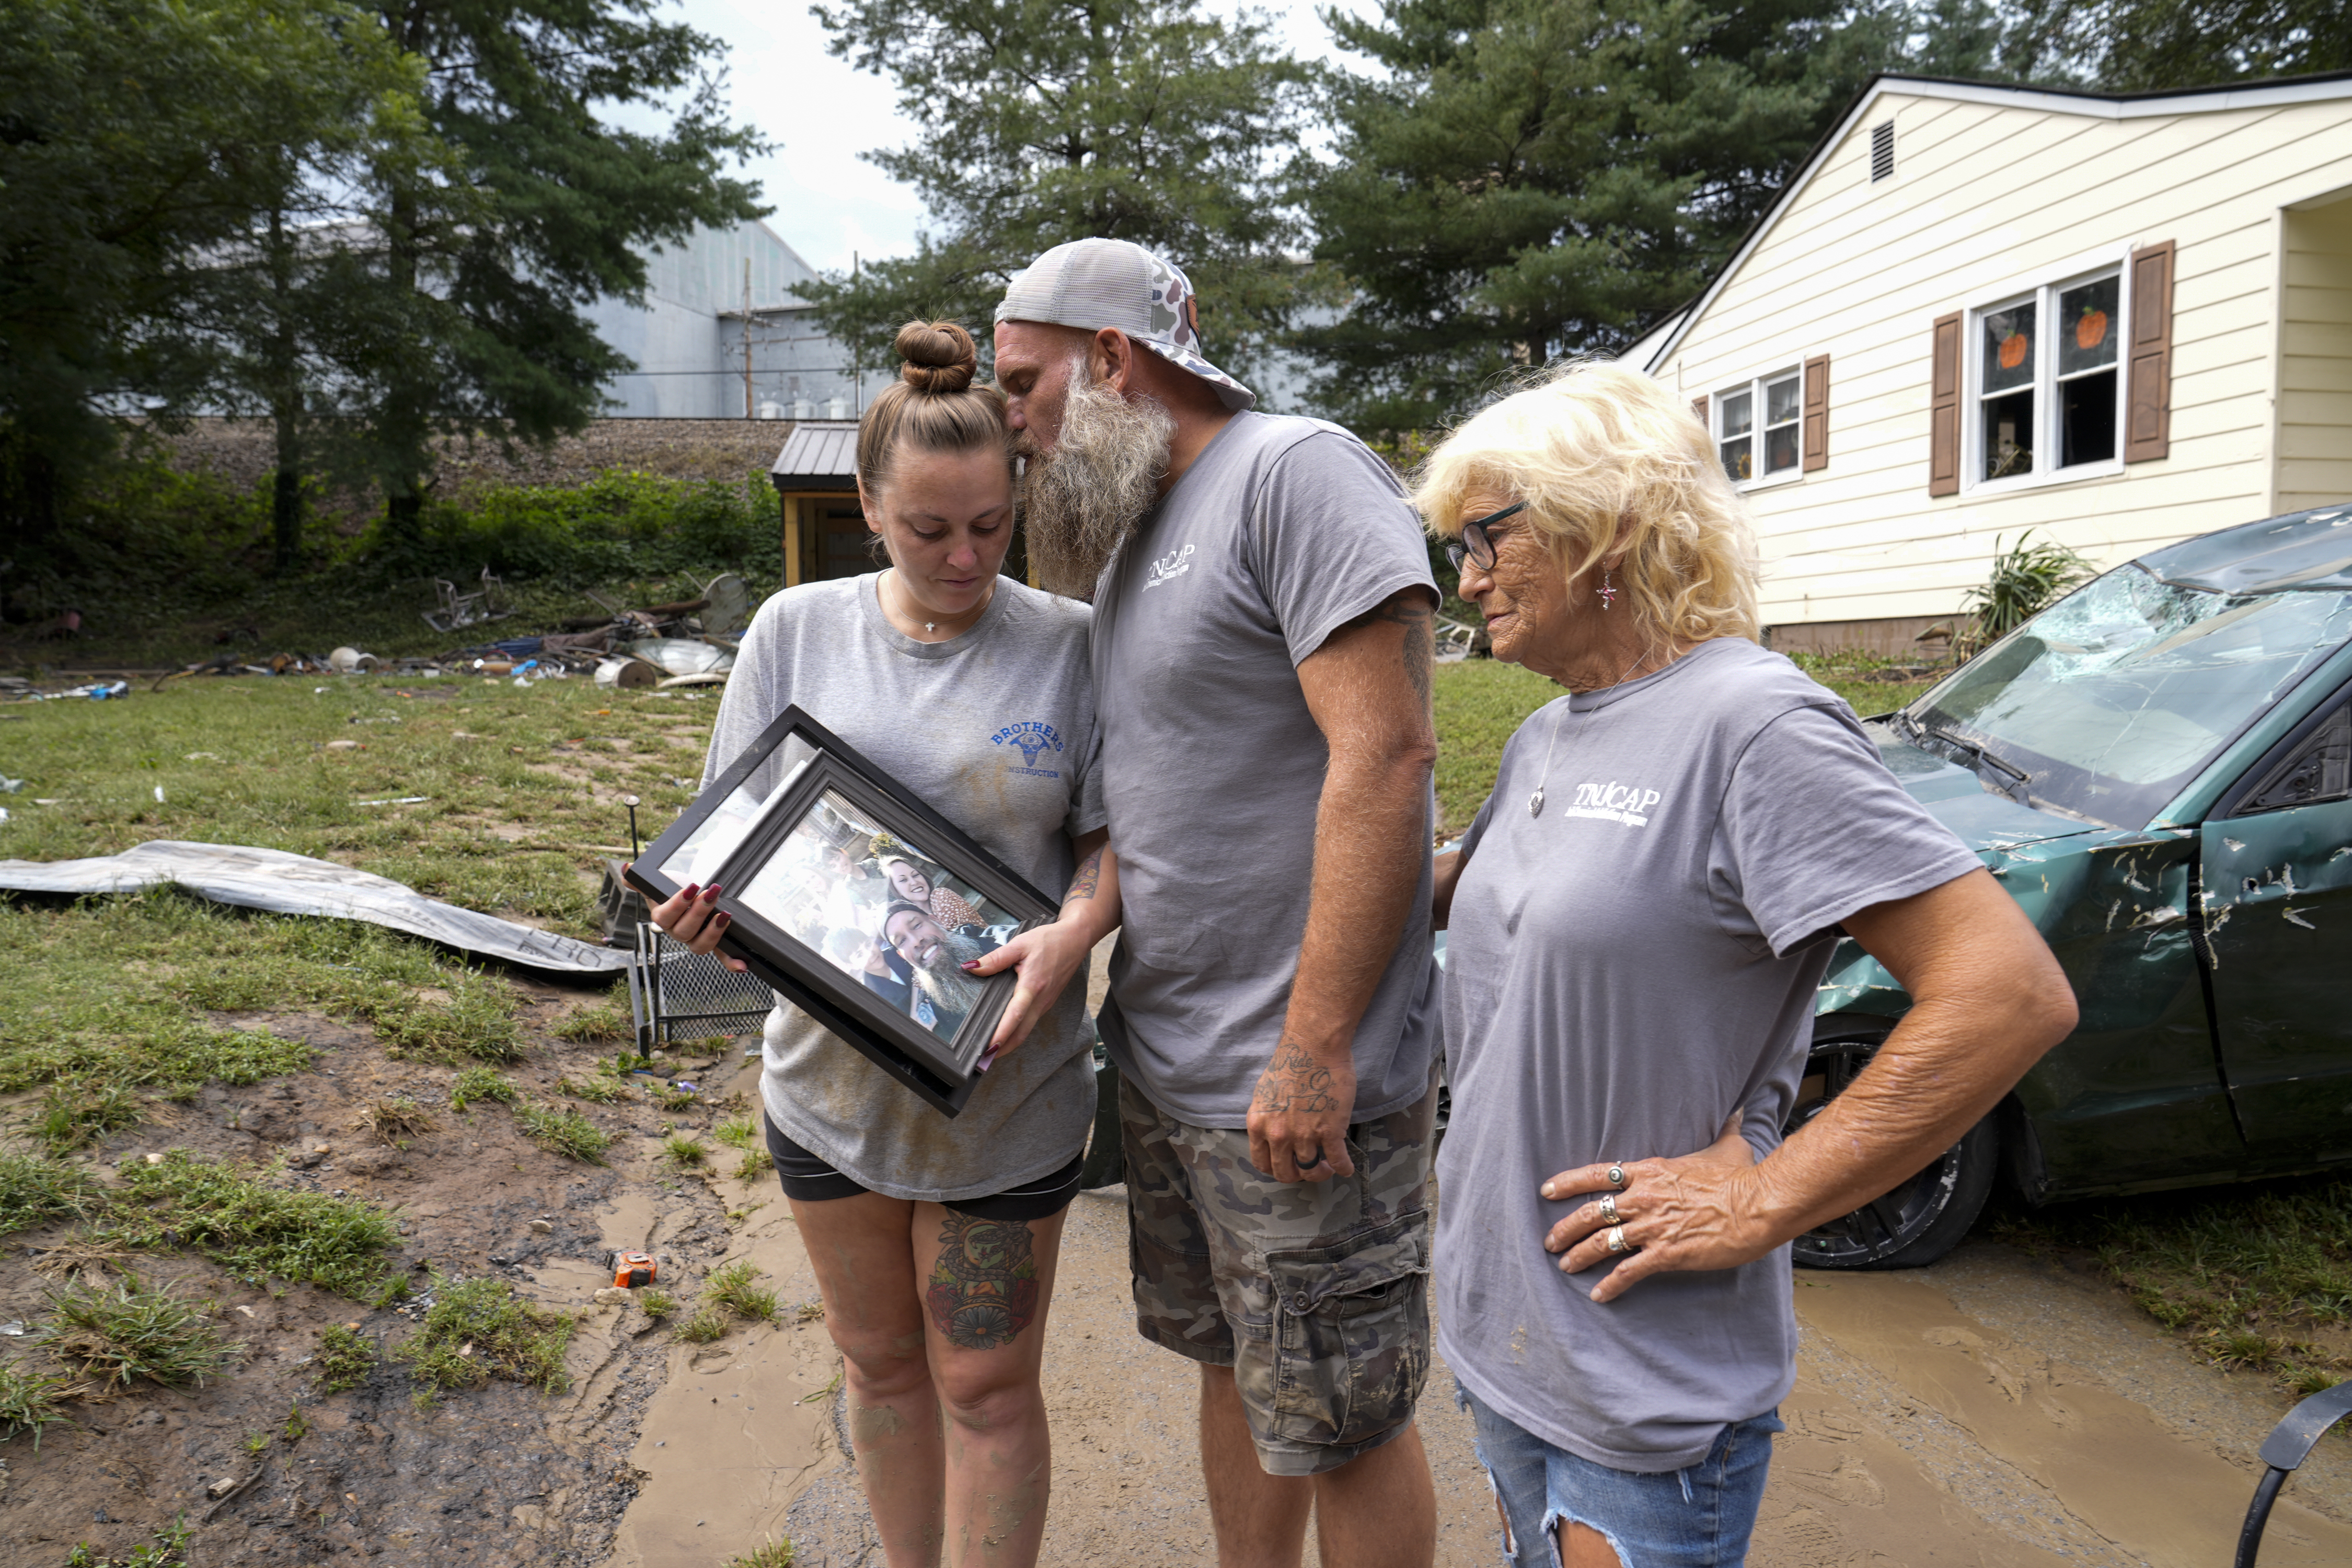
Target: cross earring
x,y
1608,589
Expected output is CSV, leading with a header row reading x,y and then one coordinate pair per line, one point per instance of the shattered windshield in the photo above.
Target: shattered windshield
x,y
2109,702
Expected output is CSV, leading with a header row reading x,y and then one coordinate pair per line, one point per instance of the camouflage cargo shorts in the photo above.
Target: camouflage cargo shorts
x,y
1315,1293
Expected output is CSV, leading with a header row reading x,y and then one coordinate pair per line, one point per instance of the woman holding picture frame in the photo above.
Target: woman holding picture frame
x,y
935,1239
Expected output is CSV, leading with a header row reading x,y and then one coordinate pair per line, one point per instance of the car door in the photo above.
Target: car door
x,y
2276,868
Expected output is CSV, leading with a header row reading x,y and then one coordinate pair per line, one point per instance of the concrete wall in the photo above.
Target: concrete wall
x,y
1992,195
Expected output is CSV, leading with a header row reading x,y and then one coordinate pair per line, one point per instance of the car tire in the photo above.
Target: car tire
x,y
1925,1215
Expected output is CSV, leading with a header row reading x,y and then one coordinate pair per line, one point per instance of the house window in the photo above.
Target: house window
x,y
2046,377
1759,425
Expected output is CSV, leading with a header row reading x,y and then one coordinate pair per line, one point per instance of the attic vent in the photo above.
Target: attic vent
x,y
1882,152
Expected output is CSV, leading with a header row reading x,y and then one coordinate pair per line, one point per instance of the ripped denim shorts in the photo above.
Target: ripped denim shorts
x,y
1698,1517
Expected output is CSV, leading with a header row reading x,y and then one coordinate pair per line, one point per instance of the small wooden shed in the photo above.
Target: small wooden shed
x,y
816,475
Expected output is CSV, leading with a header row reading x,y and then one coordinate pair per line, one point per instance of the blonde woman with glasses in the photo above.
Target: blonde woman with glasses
x,y
1638,917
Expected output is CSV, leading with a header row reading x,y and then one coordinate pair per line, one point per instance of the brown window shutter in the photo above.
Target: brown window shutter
x,y
1698,407
2147,420
1943,410
1817,413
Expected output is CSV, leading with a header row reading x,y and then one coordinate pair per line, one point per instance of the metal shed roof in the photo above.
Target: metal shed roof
x,y
818,454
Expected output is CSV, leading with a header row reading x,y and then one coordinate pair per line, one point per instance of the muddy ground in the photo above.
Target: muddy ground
x,y
1994,1410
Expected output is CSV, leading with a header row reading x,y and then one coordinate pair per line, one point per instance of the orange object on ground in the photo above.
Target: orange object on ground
x,y
631,1269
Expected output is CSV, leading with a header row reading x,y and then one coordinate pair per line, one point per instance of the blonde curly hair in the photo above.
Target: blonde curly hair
x,y
1608,458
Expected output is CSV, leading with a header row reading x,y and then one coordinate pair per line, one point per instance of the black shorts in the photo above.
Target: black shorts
x,y
808,1179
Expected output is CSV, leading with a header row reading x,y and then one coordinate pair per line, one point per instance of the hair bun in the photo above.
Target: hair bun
x,y
939,357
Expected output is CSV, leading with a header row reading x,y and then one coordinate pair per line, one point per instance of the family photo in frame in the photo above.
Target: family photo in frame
x,y
854,899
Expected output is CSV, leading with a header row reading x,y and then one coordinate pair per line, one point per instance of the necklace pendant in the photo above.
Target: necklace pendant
x,y
931,625
1535,801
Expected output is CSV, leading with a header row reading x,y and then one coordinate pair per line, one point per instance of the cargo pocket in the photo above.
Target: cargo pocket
x,y
1350,1333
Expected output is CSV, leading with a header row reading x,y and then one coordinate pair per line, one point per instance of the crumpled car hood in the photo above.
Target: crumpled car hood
x,y
1955,796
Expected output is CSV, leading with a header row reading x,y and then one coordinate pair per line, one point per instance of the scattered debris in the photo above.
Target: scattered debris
x,y
484,604
287,884
627,674
350,661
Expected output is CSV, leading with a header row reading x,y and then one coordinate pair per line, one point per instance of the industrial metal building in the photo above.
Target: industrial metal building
x,y
723,334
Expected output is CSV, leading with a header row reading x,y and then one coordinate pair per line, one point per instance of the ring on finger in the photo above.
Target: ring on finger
x,y
1616,1238
1616,1177
1608,1208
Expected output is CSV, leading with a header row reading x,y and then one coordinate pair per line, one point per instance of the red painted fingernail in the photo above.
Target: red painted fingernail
x,y
711,892
971,963
724,919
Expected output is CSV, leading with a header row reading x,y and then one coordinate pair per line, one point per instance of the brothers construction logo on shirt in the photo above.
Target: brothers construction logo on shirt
x,y
1613,801
1035,740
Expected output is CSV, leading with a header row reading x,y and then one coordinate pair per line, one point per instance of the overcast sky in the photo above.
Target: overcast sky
x,y
829,201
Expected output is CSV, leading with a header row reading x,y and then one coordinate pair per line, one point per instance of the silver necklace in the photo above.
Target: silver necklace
x,y
1535,801
903,595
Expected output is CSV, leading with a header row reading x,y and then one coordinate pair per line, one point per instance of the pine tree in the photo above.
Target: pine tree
x,y
1044,120
1527,179
478,331
140,142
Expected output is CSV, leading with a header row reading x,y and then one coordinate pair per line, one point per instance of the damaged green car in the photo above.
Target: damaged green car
x,y
2158,768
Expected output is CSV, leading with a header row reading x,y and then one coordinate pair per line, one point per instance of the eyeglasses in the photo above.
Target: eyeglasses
x,y
1475,545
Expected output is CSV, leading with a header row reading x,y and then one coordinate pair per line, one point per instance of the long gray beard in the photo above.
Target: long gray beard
x,y
943,979
1084,497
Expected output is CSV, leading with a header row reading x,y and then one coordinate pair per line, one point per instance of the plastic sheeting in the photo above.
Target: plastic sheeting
x,y
287,884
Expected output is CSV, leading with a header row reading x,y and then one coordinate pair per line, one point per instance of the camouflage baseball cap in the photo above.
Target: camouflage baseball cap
x,y
1098,283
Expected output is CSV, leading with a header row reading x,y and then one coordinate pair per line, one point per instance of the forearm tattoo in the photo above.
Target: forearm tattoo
x,y
983,1289
1088,880
1295,1081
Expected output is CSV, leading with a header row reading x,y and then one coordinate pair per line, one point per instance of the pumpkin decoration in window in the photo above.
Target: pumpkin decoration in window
x,y
2012,351
2090,329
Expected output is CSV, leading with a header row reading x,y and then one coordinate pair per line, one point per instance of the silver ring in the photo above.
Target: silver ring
x,y
1617,1177
1609,1207
1617,1242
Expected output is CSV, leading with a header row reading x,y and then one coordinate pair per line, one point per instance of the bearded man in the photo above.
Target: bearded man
x,y
938,956
1263,609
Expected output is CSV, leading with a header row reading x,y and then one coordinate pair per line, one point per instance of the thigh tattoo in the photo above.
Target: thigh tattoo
x,y
983,1289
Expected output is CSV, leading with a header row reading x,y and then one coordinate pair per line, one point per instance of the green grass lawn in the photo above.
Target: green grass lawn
x,y
108,996
1481,702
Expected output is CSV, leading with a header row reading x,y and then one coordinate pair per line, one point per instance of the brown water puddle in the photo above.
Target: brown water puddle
x,y
1920,1433
740,1425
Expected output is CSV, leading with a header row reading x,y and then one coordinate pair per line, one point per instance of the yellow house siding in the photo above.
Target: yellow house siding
x,y
2314,414
1988,200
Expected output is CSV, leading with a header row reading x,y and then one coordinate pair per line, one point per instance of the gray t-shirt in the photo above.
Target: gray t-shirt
x,y
1622,972
960,723
1212,765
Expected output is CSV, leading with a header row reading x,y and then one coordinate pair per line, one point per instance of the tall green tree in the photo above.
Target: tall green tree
x,y
2149,46
1044,120
139,140
476,329
1522,179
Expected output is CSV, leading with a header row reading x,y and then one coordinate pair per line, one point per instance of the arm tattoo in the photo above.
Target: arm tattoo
x,y
983,1289
1089,879
1419,622
1295,1081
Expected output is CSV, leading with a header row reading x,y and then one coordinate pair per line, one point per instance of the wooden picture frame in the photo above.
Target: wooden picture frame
x,y
805,838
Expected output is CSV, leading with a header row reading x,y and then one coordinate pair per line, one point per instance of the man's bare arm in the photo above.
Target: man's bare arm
x,y
1368,686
